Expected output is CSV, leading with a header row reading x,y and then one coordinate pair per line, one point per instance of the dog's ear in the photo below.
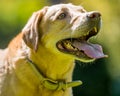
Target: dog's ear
x,y
31,29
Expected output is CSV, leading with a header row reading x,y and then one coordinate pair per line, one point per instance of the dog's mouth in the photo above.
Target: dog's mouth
x,y
81,47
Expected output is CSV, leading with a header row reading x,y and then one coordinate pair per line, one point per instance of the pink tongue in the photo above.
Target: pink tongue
x,y
91,50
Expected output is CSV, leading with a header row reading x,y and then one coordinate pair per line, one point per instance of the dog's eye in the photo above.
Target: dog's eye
x,y
61,16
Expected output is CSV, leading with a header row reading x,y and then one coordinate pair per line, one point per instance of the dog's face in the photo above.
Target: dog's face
x,y
66,29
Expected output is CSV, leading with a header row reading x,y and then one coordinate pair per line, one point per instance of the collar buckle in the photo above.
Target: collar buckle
x,y
59,85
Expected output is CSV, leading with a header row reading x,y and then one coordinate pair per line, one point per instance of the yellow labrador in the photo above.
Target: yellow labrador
x,y
40,60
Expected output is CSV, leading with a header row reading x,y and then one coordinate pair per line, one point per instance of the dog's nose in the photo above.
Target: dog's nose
x,y
93,14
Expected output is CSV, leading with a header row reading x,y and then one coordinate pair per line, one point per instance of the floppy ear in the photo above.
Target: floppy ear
x,y
31,29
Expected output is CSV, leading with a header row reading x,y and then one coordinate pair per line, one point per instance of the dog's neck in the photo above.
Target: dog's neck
x,y
49,83
54,66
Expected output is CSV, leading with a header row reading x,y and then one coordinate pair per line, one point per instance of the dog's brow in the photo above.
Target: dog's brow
x,y
64,9
80,8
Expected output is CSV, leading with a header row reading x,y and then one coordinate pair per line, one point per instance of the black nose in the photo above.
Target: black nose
x,y
93,14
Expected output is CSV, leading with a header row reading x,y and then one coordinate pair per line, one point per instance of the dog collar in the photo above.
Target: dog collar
x,y
52,84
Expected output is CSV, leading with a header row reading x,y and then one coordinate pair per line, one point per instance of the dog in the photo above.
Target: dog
x,y
39,61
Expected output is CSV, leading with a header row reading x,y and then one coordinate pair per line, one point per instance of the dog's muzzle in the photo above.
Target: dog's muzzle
x,y
80,46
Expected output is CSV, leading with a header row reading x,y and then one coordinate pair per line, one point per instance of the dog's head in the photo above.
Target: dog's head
x,y
65,28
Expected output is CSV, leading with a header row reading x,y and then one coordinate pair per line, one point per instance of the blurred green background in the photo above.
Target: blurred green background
x,y
101,78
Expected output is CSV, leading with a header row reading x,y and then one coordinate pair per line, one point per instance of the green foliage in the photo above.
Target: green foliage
x,y
13,16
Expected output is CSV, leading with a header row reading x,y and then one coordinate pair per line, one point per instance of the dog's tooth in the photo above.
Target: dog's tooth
x,y
69,46
95,29
75,49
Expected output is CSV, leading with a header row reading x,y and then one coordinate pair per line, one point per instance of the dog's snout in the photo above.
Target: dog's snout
x,y
93,15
